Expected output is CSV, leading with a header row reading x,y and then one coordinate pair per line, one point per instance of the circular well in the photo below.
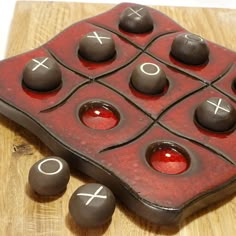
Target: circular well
x,y
99,115
167,158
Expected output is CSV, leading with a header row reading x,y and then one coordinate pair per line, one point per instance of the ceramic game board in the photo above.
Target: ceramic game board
x,y
116,98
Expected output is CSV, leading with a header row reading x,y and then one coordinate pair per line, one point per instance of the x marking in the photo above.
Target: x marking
x,y
40,64
218,106
135,12
96,36
92,196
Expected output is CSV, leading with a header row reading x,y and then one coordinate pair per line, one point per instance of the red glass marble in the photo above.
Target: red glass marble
x,y
98,115
168,160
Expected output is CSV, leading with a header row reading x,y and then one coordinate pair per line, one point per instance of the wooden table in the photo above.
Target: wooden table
x,y
22,212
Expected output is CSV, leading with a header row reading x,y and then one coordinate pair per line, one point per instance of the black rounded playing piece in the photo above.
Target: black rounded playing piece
x,y
148,78
42,74
92,205
190,49
97,46
136,19
216,114
49,176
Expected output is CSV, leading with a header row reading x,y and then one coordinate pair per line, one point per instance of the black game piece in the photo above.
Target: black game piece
x,y
97,46
49,176
216,114
136,19
42,74
92,205
148,78
190,49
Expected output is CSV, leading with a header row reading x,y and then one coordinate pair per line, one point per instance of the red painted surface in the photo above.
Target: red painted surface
x,y
125,129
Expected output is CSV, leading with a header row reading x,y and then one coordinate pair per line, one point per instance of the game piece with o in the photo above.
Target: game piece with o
x,y
190,49
148,78
49,176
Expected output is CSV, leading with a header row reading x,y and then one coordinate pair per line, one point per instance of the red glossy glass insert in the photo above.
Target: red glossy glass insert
x,y
168,159
99,115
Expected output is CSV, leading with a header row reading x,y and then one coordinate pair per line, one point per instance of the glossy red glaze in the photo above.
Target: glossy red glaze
x,y
206,171
91,141
179,85
27,100
168,160
99,116
162,25
65,48
210,71
180,119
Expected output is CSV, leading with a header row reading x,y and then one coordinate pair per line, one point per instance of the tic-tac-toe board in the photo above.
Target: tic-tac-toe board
x,y
130,111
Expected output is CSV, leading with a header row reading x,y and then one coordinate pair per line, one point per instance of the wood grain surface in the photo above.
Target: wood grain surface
x,y
21,211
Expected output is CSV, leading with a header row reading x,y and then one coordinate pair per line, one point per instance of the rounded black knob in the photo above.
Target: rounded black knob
x,y
216,114
49,176
136,19
92,205
190,49
148,78
97,46
42,74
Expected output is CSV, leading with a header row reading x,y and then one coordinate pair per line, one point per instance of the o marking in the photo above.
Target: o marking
x,y
148,73
50,173
195,37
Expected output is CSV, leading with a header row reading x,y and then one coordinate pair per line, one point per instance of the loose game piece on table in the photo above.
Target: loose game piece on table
x,y
92,205
49,176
